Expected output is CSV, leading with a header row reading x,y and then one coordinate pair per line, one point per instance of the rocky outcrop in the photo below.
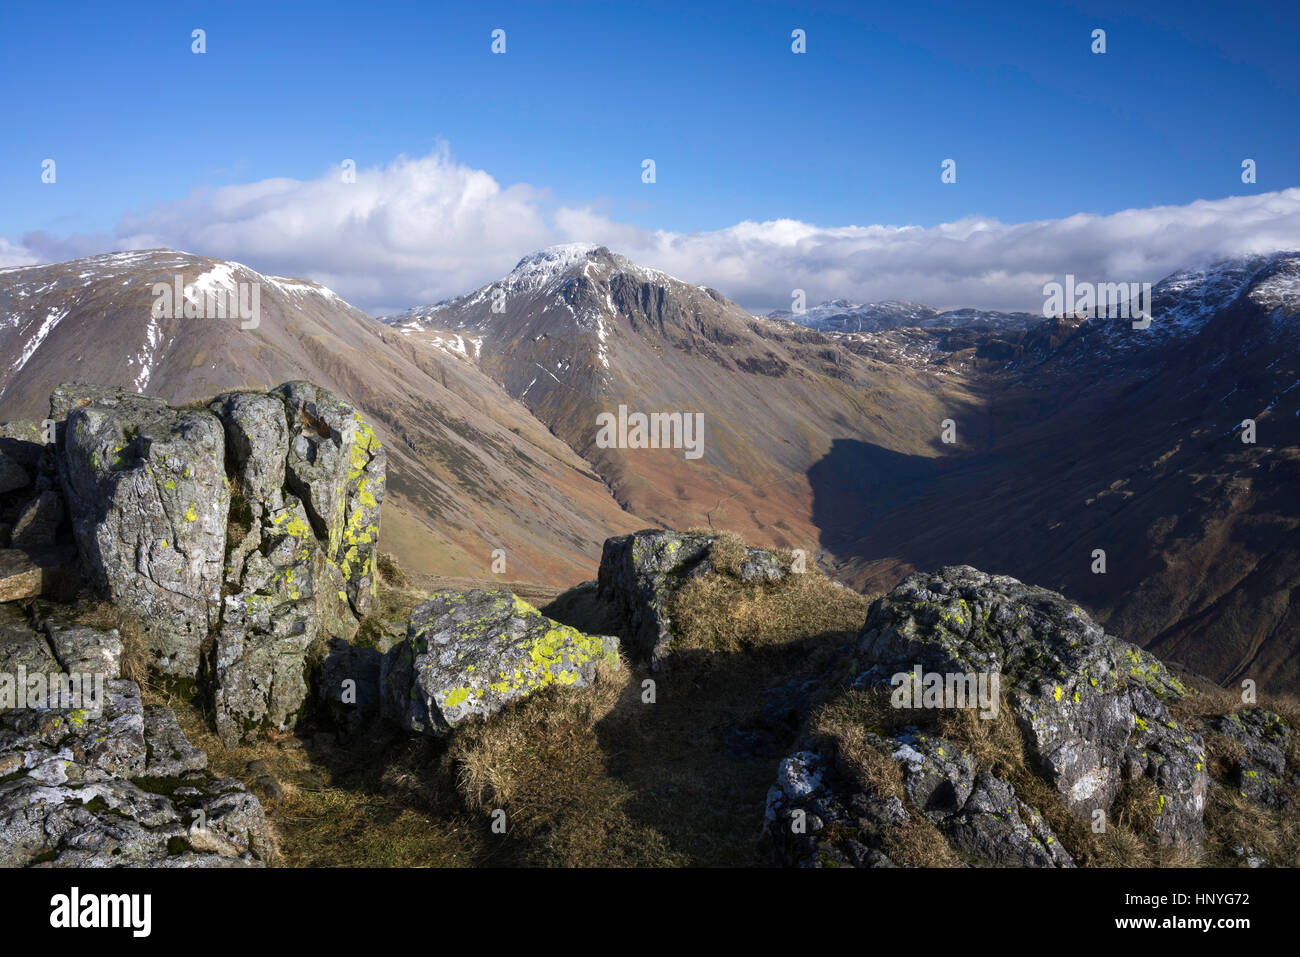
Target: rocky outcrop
x,y
149,500
640,572
470,654
337,466
1091,709
817,817
240,535
1259,772
92,778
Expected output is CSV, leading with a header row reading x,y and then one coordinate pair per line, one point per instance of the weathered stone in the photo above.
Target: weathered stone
x,y
79,649
30,574
117,785
260,667
169,753
337,466
257,442
1260,772
148,497
24,443
23,647
103,736
1090,706
470,654
816,817
640,572
38,523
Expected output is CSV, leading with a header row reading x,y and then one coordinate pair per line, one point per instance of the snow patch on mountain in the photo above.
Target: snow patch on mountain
x,y
52,319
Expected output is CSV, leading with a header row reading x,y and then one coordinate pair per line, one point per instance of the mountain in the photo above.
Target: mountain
x,y
470,470
1094,435
1072,435
579,331
841,315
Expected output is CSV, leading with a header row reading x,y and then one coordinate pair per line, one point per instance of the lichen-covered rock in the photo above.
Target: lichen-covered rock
x,y
817,816
106,782
267,627
146,490
257,444
1265,738
640,572
470,654
1092,707
337,466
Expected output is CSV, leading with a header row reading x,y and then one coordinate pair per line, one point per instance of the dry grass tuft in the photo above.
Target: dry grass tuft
x,y
105,615
389,571
727,552
720,613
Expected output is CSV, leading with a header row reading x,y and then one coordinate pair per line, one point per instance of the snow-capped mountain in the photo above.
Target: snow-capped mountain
x,y
455,438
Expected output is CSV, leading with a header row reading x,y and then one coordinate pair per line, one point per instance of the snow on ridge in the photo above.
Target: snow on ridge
x,y
302,287
52,319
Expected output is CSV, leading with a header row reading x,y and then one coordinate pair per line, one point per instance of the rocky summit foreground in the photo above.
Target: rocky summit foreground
x,y
235,537
1088,717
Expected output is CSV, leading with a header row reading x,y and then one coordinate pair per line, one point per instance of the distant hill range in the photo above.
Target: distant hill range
x,y
841,315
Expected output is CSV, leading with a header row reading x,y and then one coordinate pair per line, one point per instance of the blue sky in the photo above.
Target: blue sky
x,y
741,129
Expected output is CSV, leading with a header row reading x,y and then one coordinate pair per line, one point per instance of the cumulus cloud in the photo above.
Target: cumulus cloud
x,y
423,229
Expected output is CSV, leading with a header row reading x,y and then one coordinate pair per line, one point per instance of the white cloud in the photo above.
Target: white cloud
x,y
419,230
11,255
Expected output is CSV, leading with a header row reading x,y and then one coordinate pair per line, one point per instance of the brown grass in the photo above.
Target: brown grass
x,y
718,612
390,571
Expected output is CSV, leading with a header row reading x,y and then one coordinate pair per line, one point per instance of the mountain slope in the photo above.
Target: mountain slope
x,y
1129,441
842,315
581,331
1072,435
470,469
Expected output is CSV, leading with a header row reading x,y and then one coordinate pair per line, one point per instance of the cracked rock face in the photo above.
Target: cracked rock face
x,y
640,572
470,654
149,492
337,467
109,782
1091,707
149,499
